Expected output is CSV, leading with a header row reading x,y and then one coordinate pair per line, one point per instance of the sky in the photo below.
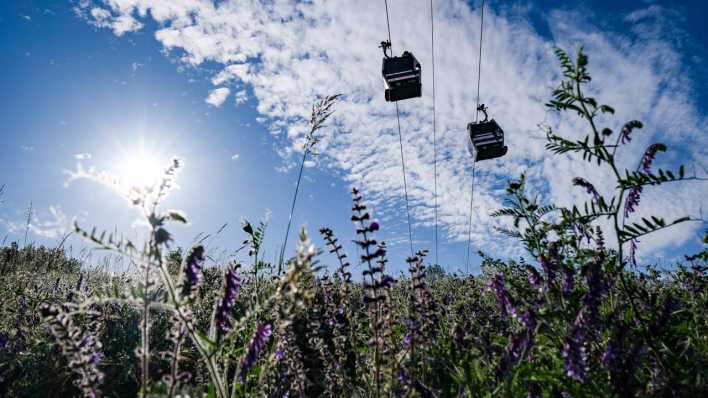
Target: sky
x,y
227,86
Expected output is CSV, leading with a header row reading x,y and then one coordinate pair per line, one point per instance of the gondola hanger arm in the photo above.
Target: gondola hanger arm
x,y
386,47
483,109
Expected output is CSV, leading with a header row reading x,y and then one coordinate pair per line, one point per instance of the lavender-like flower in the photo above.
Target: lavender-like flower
x,y
633,252
650,154
193,271
232,286
81,348
589,188
585,325
630,205
626,133
575,355
534,277
506,304
519,345
259,341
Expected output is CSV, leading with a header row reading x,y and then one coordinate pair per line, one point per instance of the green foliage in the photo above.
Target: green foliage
x,y
36,259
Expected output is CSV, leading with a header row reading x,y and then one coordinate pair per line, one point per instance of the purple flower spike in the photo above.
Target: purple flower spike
x,y
633,252
96,357
589,188
650,154
534,277
279,353
232,286
260,339
630,205
503,297
193,271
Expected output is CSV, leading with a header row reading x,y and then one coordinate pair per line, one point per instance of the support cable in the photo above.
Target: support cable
x,y
435,144
476,119
469,229
400,141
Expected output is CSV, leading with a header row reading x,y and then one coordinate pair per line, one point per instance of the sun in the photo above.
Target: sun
x,y
141,168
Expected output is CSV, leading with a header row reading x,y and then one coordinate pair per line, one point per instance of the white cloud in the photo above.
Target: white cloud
x,y
27,148
217,96
55,225
82,156
120,24
290,52
135,66
235,156
241,97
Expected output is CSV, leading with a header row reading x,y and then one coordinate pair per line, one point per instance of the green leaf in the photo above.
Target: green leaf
x,y
207,343
176,215
607,109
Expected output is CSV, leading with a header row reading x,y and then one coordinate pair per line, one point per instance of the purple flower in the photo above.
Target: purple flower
x,y
589,188
259,341
630,205
626,132
650,154
633,252
279,353
575,356
519,345
193,271
387,281
232,286
534,277
96,357
503,297
585,325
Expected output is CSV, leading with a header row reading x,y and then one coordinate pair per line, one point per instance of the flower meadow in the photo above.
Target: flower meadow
x,y
582,318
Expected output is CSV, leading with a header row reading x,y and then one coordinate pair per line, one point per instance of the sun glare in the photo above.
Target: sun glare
x,y
141,168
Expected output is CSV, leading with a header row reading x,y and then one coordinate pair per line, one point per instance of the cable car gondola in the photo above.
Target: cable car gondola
x,y
401,75
486,138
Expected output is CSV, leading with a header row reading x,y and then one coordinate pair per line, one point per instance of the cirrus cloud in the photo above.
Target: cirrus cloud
x,y
288,52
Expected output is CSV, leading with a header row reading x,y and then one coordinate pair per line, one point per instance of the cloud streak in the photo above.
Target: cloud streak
x,y
289,52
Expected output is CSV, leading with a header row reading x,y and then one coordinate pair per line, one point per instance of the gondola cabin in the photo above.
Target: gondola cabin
x,y
486,140
401,77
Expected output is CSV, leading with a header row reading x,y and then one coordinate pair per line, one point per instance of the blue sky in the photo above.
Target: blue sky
x,y
114,78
